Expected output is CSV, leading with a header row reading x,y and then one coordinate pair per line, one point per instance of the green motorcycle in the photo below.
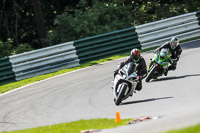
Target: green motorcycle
x,y
159,64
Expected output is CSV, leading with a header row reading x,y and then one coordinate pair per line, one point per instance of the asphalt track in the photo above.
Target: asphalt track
x,y
86,94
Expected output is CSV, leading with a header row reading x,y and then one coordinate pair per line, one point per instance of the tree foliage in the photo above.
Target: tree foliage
x,y
100,16
97,19
68,20
5,48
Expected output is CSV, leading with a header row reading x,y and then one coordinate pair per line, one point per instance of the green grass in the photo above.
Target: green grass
x,y
14,85
192,129
76,126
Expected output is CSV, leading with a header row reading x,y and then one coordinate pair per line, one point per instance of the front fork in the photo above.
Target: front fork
x,y
150,64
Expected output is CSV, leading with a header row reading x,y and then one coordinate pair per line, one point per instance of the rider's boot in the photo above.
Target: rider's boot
x,y
134,91
166,72
172,67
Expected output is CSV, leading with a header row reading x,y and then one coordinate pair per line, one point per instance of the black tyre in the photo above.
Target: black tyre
x,y
121,94
151,73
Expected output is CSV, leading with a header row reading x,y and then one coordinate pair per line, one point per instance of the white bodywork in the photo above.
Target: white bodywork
x,y
123,75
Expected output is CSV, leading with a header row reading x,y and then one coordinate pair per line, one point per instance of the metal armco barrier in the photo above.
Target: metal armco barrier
x,y
6,73
43,61
103,45
158,32
74,53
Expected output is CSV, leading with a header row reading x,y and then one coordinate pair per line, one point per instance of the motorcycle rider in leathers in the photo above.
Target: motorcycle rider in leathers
x,y
175,50
141,68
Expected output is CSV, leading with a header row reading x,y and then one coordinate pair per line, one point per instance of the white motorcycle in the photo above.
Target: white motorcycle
x,y
125,83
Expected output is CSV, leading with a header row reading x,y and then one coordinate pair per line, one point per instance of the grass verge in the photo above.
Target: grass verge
x,y
76,126
192,129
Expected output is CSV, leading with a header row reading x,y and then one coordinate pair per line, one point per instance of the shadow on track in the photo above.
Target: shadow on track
x,y
146,100
189,45
175,77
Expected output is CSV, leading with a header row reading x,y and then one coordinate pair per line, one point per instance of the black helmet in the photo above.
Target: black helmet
x,y
174,42
135,54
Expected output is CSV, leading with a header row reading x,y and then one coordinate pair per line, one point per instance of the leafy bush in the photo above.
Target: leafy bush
x,y
100,16
22,48
98,19
6,48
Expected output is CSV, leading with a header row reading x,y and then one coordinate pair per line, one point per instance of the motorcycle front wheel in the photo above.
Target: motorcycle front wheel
x,y
121,94
151,73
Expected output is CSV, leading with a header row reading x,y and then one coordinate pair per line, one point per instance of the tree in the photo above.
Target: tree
x,y
90,20
10,19
40,21
74,19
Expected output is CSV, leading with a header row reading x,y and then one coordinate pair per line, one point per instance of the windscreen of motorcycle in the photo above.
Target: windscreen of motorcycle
x,y
130,68
156,57
164,53
161,58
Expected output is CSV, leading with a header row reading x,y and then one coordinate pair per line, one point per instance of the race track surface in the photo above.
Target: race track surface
x,y
86,94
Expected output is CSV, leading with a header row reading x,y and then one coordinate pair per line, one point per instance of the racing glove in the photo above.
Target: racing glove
x,y
115,72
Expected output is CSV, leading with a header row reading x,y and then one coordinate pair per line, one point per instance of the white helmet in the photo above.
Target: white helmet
x,y
174,42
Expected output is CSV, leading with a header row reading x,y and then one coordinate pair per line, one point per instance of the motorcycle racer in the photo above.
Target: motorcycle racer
x,y
141,68
175,49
